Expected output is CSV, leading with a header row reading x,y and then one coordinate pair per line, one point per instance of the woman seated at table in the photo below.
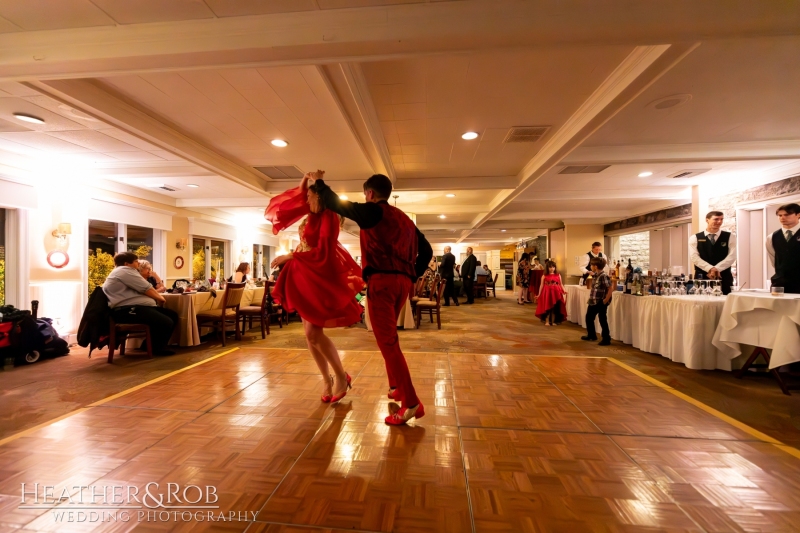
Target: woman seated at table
x,y
146,270
240,276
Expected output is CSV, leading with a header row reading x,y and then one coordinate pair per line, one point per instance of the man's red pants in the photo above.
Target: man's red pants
x,y
386,296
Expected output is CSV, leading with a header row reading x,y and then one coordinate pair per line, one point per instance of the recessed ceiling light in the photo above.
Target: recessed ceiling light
x,y
29,118
645,174
503,230
280,143
442,216
192,185
451,195
470,135
342,197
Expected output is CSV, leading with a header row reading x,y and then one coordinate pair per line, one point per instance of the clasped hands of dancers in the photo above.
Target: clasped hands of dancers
x,y
320,279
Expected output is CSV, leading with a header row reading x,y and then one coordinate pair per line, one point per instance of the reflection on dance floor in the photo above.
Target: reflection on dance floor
x,y
509,443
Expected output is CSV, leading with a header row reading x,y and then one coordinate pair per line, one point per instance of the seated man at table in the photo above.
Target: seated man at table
x,y
783,249
599,298
134,301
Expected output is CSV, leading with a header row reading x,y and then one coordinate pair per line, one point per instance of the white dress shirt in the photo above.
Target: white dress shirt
x,y
725,264
584,263
771,250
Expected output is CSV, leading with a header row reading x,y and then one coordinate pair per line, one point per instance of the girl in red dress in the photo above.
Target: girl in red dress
x,y
319,282
550,304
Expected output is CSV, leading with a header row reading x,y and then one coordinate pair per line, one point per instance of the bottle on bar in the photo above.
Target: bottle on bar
x,y
628,277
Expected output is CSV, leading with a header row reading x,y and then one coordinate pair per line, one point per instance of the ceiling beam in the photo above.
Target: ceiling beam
x,y
338,35
350,91
684,153
93,99
643,66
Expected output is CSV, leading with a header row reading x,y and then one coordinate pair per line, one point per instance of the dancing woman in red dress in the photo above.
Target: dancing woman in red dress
x,y
319,283
550,304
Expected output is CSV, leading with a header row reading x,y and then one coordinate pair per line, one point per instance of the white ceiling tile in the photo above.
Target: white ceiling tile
x,y
94,140
385,112
409,111
416,127
142,11
412,138
138,155
43,141
413,149
341,4
53,14
239,8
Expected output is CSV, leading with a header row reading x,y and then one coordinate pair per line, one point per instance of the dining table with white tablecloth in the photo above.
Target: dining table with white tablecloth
x,y
680,328
758,319
187,305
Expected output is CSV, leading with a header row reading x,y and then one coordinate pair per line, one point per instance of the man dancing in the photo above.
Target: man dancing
x,y
394,253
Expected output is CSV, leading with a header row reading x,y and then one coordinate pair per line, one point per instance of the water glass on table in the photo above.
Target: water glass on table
x,y
777,292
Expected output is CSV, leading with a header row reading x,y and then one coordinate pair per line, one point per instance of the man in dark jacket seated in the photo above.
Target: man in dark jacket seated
x,y
134,301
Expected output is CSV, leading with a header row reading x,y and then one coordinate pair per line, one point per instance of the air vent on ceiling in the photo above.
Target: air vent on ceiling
x,y
526,134
167,188
281,172
689,173
583,169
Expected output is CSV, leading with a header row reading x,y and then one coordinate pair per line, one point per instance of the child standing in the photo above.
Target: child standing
x,y
550,304
599,298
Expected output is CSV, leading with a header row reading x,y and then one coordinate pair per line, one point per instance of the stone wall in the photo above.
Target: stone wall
x,y
727,203
635,246
662,216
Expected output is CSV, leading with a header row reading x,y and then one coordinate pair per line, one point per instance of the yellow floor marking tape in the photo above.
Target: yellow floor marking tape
x,y
30,430
710,410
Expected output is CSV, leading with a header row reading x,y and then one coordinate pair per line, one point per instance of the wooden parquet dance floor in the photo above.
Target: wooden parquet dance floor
x,y
509,444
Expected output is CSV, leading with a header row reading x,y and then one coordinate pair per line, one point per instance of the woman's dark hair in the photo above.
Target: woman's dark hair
x,y
525,257
123,258
549,264
243,267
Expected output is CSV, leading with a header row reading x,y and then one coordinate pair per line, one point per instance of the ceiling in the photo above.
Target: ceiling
x,y
139,95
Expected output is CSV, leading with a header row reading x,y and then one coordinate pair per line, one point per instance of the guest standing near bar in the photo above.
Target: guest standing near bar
x,y
783,248
395,254
713,252
467,271
447,272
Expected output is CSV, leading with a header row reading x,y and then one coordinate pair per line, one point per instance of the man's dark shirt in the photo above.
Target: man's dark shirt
x,y
448,263
469,266
368,215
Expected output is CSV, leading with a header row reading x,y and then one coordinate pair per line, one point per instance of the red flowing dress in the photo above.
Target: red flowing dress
x,y
552,298
321,283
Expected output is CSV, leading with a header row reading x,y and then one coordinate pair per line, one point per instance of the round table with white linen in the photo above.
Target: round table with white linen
x,y
760,319
405,320
187,305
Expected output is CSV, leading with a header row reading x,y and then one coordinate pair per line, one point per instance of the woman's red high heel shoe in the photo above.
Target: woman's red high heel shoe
x,y
326,398
338,397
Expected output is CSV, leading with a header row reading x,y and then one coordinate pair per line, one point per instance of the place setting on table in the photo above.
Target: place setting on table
x,y
188,299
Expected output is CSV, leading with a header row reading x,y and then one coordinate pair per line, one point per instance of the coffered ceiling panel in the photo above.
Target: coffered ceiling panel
x,y
238,112
53,14
425,104
744,90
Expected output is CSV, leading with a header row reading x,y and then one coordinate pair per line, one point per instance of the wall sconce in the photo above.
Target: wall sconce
x,y
61,233
180,244
57,259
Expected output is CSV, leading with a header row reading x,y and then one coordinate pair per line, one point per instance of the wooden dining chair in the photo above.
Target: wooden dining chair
x,y
491,285
432,307
480,285
226,313
120,333
261,312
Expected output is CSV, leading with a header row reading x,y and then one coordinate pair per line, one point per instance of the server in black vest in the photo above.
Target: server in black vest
x,y
597,251
783,248
713,252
